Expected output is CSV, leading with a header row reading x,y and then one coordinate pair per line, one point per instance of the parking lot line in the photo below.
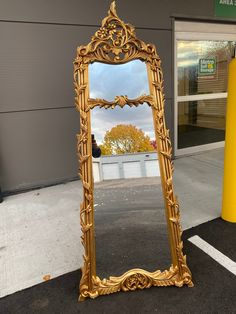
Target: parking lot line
x,y
214,253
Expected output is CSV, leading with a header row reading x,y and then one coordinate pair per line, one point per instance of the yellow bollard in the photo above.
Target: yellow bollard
x,y
229,186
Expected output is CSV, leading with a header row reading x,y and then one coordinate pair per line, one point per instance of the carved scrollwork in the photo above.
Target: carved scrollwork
x,y
135,279
120,101
115,43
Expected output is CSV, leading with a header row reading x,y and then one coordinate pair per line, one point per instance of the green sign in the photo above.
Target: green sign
x,y
207,66
225,8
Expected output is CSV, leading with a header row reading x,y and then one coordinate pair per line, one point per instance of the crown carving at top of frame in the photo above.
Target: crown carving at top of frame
x,y
115,42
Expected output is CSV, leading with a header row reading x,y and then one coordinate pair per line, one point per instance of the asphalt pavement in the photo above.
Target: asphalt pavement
x,y
213,291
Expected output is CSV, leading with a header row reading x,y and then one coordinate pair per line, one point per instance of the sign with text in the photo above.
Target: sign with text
x,y
207,67
225,8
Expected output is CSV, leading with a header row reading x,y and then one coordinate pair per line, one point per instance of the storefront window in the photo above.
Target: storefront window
x,y
203,66
202,73
201,122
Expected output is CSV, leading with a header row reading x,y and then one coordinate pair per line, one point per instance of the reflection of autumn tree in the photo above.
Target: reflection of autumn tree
x,y
125,138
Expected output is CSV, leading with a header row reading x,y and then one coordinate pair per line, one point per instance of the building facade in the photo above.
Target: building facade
x,y
38,120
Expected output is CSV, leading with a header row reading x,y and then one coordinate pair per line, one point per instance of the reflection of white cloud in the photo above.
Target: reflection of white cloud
x,y
108,81
189,52
104,119
187,63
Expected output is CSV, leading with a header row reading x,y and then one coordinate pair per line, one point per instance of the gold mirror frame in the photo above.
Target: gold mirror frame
x,y
116,43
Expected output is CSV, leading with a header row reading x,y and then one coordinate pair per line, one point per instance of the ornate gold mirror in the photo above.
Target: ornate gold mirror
x,y
130,224
115,54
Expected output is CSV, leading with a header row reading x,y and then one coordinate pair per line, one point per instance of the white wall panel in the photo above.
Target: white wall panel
x,y
152,168
110,171
132,169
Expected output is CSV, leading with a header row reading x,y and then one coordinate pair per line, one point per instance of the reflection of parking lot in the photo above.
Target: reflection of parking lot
x,y
127,211
128,193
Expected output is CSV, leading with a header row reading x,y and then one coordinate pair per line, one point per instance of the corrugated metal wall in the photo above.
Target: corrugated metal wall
x,y
38,122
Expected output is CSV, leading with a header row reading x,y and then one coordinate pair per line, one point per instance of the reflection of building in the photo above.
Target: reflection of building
x,y
126,166
38,121
202,83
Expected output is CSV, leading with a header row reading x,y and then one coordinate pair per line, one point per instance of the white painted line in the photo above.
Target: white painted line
x,y
214,253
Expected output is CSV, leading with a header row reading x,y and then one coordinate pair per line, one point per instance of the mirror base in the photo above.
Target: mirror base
x,y
138,279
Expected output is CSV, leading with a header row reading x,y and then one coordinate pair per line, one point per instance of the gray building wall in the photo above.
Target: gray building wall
x,y
38,121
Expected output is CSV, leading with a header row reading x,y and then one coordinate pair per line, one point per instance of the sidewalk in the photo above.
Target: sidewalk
x,y
198,184
40,230
39,236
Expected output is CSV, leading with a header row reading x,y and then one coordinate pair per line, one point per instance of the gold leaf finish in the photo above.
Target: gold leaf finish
x,y
115,43
136,279
120,101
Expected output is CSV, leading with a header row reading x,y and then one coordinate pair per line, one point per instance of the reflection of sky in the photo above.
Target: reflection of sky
x,y
108,81
189,52
104,119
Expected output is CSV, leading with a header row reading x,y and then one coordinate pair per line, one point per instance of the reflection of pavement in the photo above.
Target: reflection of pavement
x,y
127,182
128,211
145,191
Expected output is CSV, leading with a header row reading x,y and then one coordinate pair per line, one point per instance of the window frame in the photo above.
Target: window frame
x,y
197,31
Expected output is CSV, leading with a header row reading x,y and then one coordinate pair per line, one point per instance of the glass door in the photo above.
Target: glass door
x,y
201,93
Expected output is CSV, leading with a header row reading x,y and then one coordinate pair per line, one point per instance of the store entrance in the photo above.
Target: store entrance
x,y
202,73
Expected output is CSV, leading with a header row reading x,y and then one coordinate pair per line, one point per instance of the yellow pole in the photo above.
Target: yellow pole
x,y
229,186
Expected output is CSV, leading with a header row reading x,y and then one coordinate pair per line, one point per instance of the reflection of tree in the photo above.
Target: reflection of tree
x,y
223,49
125,138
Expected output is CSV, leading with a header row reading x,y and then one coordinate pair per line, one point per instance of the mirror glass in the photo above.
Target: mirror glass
x,y
107,81
130,222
